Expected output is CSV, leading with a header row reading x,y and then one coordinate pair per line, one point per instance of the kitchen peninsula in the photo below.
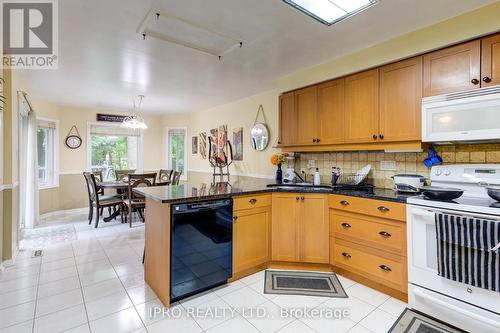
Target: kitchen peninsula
x,y
286,226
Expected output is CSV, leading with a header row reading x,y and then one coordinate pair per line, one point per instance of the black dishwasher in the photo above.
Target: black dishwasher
x,y
201,243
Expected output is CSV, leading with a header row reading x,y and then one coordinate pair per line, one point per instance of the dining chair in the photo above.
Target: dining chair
x,y
98,178
164,177
121,174
176,177
136,202
98,201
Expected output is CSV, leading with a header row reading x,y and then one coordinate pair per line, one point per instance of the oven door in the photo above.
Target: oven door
x,y
423,273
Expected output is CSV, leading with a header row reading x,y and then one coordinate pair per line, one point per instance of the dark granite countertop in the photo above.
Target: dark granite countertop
x,y
204,187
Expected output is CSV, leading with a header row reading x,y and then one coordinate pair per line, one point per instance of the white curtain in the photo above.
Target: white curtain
x,y
29,211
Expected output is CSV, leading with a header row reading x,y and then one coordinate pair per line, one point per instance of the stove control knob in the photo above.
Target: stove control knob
x,y
447,172
438,172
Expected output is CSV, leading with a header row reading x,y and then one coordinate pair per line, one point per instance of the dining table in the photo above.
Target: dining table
x,y
120,186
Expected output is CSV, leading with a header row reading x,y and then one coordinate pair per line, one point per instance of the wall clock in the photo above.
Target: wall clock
x,y
73,141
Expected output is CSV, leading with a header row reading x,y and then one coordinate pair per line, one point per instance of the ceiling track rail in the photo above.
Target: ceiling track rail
x,y
145,32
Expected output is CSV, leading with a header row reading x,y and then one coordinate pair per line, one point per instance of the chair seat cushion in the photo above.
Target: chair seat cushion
x,y
135,202
111,201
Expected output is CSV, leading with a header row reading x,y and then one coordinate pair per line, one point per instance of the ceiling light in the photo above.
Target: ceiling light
x,y
135,121
330,11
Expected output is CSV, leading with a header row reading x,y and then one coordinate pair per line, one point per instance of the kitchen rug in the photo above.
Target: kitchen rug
x,y
303,283
413,322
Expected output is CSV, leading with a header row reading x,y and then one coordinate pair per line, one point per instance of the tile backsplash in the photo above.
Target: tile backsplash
x,y
350,162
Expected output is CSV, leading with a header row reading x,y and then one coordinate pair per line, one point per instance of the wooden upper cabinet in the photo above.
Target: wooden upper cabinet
x,y
490,61
361,107
331,112
401,100
287,119
306,103
453,69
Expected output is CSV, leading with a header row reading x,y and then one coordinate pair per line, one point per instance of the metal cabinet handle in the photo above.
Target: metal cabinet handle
x,y
314,140
474,81
384,234
297,198
252,201
302,198
317,140
344,203
375,136
486,79
381,136
345,225
346,254
235,218
383,209
385,268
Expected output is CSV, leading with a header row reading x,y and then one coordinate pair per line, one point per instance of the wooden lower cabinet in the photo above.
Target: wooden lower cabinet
x,y
251,238
300,228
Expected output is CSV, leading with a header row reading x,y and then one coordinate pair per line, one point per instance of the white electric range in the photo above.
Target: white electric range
x,y
467,307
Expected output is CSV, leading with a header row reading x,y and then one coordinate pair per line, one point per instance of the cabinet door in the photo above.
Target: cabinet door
x,y
287,119
284,226
314,229
452,69
331,112
490,61
251,238
401,100
361,107
306,102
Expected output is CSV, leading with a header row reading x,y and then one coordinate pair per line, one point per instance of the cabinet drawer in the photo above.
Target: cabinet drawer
x,y
378,208
372,266
251,201
388,236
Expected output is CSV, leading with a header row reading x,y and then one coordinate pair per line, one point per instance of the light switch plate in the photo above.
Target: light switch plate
x,y
388,165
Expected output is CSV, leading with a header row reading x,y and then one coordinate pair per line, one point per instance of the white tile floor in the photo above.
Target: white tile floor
x,y
96,284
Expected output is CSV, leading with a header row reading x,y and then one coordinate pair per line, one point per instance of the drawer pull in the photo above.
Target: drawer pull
x,y
345,254
297,198
235,218
252,201
302,198
344,203
385,268
384,234
383,209
345,225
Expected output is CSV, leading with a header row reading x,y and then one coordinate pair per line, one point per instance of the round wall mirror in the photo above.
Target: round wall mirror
x,y
259,135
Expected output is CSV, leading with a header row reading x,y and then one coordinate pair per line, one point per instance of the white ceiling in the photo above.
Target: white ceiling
x,y
103,62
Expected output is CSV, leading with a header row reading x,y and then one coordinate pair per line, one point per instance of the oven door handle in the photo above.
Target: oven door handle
x,y
452,307
423,213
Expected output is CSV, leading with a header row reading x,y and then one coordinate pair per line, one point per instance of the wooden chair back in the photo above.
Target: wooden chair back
x,y
176,177
91,187
139,180
120,174
98,178
165,175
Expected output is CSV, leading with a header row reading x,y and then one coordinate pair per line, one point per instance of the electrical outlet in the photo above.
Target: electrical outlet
x,y
388,165
311,164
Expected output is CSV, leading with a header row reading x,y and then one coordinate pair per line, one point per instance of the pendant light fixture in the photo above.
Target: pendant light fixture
x,y
135,121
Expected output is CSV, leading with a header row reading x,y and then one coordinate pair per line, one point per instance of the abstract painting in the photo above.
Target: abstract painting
x,y
202,145
194,145
238,143
214,136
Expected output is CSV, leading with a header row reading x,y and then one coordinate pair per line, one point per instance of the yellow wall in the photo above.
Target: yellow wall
x,y
71,193
238,114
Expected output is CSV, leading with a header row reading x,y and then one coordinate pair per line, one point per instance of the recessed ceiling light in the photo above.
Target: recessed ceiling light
x,y
330,11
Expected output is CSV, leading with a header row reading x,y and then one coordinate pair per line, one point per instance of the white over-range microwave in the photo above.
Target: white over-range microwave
x,y
464,116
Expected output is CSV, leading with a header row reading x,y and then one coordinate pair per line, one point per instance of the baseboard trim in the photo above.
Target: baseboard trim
x,y
63,212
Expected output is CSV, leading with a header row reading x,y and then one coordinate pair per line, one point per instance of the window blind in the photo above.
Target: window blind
x,y
46,124
113,130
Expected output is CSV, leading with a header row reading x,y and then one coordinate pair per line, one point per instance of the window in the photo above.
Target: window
x,y
330,11
113,147
47,153
177,142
